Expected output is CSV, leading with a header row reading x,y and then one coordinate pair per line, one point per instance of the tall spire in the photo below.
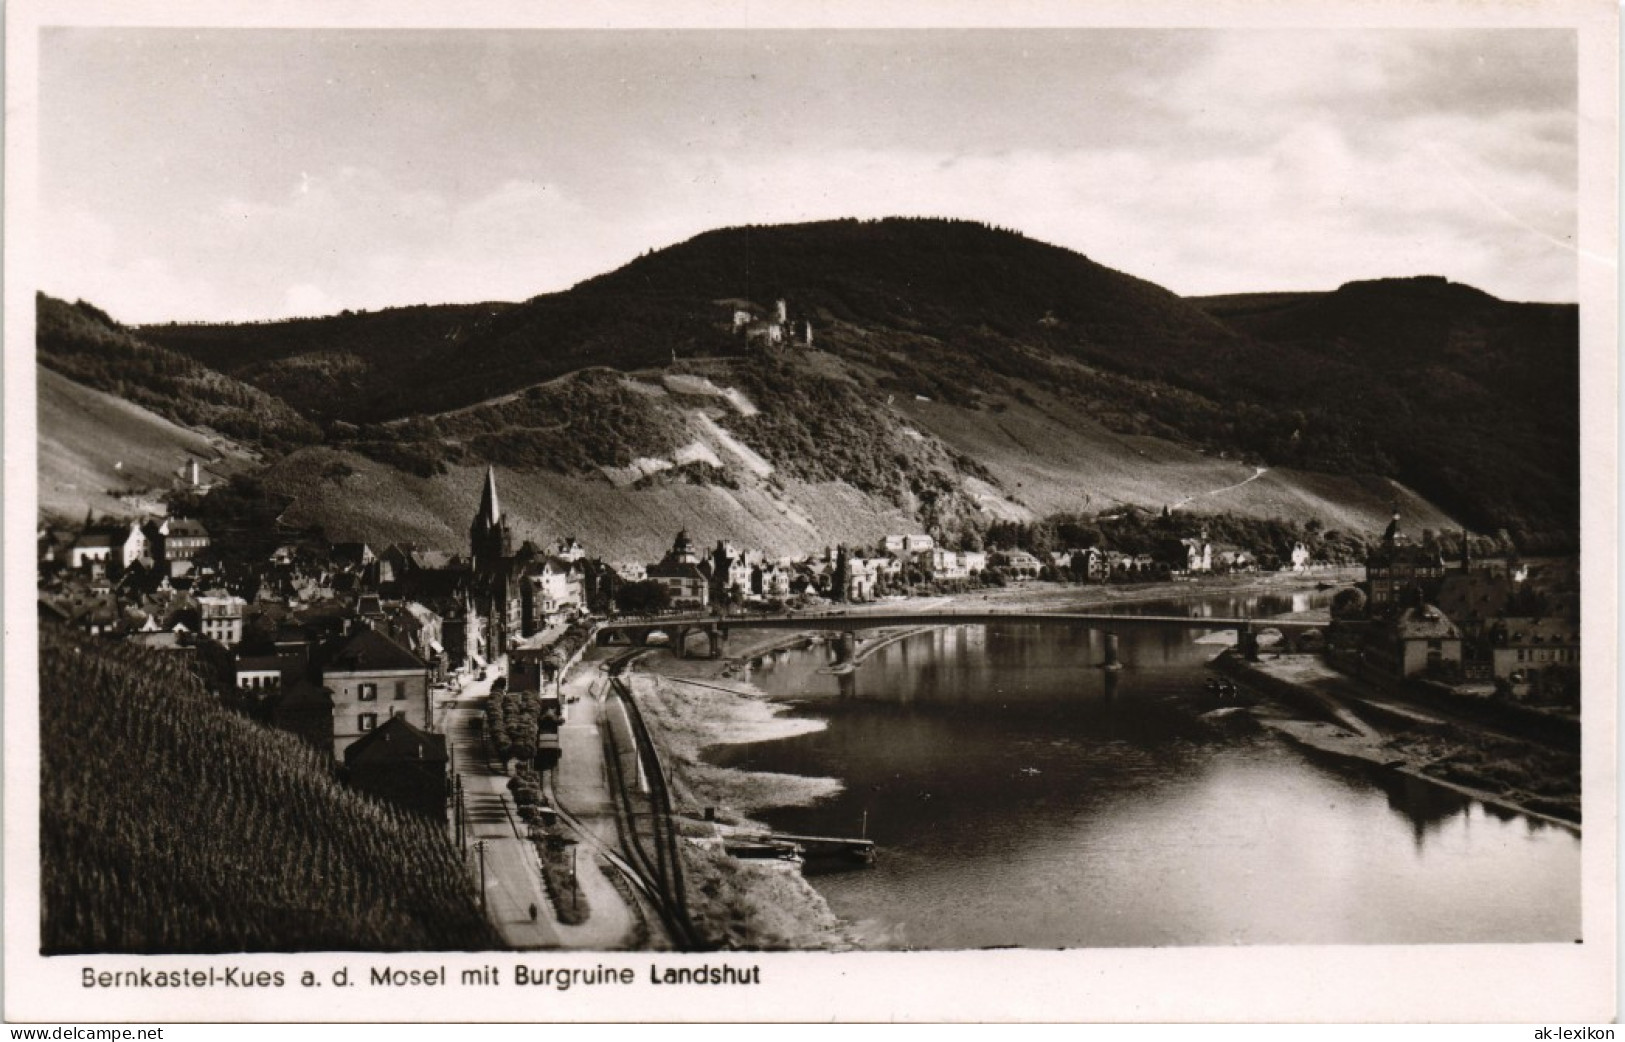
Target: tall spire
x,y
490,510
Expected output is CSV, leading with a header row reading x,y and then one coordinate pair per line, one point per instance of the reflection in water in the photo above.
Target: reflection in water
x,y
1021,796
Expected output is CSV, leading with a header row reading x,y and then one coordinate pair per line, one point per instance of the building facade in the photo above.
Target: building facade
x,y
221,616
371,679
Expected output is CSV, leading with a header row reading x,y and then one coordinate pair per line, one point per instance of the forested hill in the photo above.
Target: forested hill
x,y
1475,399
339,366
1469,400
937,280
85,344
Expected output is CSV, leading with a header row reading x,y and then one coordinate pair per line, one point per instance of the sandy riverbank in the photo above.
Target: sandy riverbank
x,y
688,716
740,903
1518,775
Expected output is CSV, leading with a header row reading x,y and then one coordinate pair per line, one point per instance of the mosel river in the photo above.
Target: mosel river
x,y
1020,797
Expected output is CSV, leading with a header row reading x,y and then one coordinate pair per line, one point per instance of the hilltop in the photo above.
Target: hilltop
x,y
957,374
1480,396
88,346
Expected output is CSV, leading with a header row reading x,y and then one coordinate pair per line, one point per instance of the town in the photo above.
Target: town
x,y
364,653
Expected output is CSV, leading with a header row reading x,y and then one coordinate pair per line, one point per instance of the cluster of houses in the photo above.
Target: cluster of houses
x,y
698,579
343,645
162,582
1472,620
336,643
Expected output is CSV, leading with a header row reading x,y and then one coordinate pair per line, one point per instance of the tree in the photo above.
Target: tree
x,y
843,575
1349,604
643,598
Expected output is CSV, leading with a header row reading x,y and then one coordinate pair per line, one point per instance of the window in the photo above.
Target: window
x,y
400,690
369,692
368,721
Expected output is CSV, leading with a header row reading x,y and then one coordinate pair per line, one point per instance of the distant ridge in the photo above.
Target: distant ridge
x,y
1468,400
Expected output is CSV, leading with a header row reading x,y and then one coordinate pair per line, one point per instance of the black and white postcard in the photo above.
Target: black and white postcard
x,y
797,512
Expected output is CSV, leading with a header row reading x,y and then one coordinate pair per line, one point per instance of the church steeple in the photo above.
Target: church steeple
x,y
490,510
488,536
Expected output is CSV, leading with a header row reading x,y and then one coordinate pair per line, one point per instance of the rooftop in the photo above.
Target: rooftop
x,y
396,741
1425,623
365,651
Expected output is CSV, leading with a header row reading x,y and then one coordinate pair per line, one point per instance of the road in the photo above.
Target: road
x,y
513,881
1258,472
512,871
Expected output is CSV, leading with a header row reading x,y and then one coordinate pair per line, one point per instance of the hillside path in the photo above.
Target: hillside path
x,y
1258,472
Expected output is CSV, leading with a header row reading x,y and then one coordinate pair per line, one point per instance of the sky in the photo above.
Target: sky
x,y
242,174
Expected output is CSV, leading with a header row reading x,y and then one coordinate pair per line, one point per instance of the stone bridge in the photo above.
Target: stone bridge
x,y
677,629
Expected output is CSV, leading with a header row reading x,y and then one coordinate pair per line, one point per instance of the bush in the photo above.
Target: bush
x,y
1349,603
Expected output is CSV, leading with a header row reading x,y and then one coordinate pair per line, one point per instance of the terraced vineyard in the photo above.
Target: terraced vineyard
x,y
171,825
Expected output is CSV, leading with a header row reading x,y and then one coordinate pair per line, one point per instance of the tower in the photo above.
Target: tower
x,y
489,539
1391,536
682,550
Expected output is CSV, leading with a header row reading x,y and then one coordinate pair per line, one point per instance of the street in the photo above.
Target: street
x,y
513,880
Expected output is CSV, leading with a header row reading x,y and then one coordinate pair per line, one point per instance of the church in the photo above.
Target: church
x,y
518,592
498,572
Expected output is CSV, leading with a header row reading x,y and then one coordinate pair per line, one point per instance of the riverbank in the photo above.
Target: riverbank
x,y
1036,595
688,716
1376,730
693,705
738,903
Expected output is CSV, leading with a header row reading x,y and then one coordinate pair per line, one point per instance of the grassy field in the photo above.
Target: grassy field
x,y
99,452
1052,459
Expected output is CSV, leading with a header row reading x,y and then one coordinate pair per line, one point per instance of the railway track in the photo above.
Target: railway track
x,y
655,857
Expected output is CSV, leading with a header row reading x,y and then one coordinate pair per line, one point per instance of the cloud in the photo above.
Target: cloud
x,y
1207,162
1309,202
307,300
83,258
352,238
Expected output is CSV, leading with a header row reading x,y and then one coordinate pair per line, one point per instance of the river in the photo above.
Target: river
x,y
1021,798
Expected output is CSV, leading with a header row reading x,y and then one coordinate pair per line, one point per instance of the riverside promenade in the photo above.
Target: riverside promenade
x,y
512,875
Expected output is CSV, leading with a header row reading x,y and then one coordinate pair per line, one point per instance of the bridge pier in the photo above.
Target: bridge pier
x,y
1112,664
718,640
1247,641
846,648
